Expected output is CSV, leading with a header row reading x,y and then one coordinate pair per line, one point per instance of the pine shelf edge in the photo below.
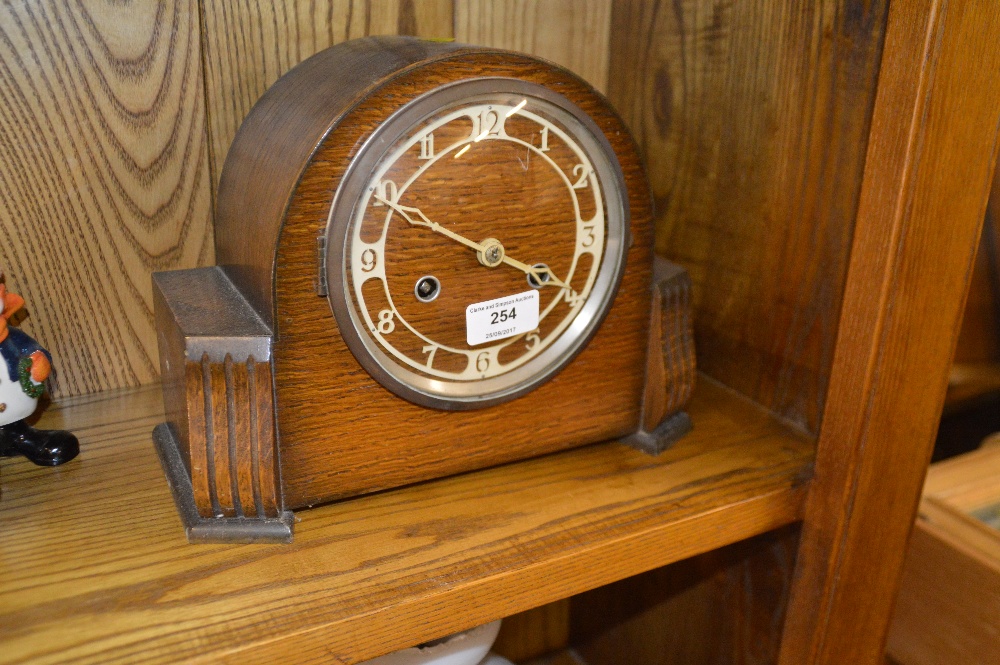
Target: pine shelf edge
x,y
96,567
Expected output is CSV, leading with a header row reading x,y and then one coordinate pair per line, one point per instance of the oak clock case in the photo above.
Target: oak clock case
x,y
432,258
406,262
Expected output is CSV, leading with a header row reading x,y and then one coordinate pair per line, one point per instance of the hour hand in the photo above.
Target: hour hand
x,y
542,275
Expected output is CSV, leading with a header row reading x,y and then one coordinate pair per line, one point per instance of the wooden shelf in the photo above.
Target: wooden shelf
x,y
95,567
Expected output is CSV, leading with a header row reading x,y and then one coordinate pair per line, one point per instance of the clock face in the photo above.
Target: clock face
x,y
476,242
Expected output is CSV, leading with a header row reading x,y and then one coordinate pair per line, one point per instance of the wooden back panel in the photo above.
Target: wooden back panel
x,y
752,118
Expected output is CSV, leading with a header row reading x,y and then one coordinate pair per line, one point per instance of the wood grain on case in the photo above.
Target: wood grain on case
x,y
264,452
670,368
216,363
348,435
572,33
104,172
232,442
369,575
274,154
218,437
249,44
240,439
752,119
194,422
928,172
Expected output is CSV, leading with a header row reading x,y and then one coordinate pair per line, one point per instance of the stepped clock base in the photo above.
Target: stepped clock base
x,y
213,529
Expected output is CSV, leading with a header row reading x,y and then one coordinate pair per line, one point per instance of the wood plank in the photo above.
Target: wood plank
x,y
97,571
971,385
724,606
967,482
975,371
753,118
572,33
538,632
931,155
250,44
562,657
948,602
949,597
979,340
103,176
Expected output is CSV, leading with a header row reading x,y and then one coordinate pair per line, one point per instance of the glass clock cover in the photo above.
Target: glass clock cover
x,y
476,242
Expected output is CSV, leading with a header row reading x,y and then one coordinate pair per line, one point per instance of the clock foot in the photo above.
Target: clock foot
x,y
670,364
213,529
215,360
661,438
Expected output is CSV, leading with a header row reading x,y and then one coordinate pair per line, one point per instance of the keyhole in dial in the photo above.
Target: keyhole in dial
x,y
427,288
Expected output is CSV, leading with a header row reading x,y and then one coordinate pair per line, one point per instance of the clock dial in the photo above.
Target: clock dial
x,y
479,244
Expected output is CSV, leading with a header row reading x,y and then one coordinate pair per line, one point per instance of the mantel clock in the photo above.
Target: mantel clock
x,y
432,258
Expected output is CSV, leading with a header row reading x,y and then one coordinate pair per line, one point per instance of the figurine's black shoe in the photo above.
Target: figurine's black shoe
x,y
44,447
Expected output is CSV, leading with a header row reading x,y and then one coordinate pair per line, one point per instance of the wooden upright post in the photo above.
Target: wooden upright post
x,y
931,153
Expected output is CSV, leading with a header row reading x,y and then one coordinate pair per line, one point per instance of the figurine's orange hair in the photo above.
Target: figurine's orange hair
x,y
11,303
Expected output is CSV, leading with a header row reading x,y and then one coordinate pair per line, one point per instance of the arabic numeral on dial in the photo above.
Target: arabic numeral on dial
x,y
369,259
589,238
573,298
581,173
485,124
532,340
430,349
386,189
483,361
385,323
427,146
545,140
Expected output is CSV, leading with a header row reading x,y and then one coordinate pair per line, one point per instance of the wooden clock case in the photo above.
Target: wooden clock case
x,y
267,408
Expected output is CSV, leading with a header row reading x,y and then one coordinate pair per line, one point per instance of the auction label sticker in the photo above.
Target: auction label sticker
x,y
501,318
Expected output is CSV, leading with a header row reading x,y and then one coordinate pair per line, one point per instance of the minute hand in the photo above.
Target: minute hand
x,y
537,273
433,226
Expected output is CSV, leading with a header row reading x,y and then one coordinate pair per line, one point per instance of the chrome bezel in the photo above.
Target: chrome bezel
x,y
462,395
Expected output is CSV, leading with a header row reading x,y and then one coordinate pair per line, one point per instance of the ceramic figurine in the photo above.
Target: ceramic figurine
x,y
25,366
470,647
